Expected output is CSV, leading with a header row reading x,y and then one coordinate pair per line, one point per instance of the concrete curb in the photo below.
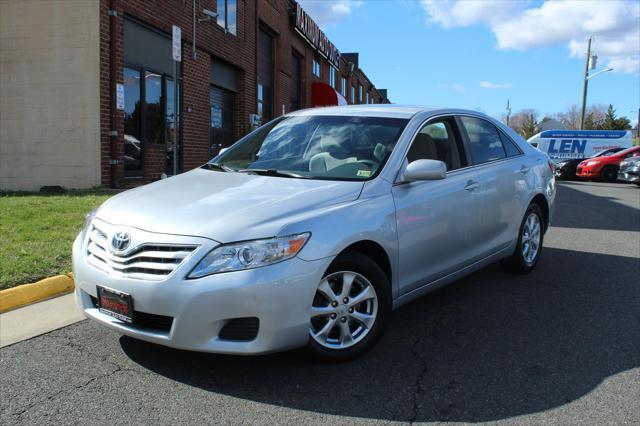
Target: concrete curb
x,y
26,294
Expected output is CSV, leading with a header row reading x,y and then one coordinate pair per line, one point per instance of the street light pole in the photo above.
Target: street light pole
x,y
586,83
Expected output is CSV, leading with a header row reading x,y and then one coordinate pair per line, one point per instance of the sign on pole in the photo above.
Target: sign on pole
x,y
120,96
177,44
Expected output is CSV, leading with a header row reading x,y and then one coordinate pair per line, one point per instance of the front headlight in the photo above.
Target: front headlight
x,y
87,222
249,254
592,163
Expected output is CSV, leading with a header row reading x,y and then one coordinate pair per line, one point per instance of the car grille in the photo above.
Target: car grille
x,y
147,261
146,320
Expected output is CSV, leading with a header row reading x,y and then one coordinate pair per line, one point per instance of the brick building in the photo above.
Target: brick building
x,y
253,60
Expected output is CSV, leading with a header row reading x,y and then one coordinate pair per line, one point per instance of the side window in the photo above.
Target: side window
x,y
438,140
484,141
509,145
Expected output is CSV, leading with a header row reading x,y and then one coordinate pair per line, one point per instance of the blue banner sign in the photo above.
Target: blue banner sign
x,y
588,134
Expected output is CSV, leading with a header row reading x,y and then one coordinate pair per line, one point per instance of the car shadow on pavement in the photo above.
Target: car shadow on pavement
x,y
582,209
488,347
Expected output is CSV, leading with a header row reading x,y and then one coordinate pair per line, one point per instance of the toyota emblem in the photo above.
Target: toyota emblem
x,y
120,241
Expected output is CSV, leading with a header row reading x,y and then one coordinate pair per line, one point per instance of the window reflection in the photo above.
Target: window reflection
x,y
227,11
231,16
132,116
154,116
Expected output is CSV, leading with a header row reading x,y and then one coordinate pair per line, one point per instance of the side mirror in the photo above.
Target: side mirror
x,y
425,170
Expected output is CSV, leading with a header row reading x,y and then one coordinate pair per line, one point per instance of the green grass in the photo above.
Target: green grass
x,y
37,231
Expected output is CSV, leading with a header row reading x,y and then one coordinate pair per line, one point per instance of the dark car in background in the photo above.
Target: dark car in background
x,y
565,168
630,170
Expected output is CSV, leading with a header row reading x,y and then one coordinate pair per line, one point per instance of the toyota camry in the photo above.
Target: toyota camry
x,y
310,230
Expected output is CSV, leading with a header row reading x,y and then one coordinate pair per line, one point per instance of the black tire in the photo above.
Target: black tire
x,y
609,174
363,265
516,263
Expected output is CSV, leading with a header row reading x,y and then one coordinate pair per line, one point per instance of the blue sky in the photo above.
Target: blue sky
x,y
480,54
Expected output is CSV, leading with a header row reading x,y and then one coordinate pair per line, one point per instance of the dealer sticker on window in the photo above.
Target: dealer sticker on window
x,y
364,173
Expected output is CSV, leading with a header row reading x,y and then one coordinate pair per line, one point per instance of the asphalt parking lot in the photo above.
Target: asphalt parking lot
x,y
560,346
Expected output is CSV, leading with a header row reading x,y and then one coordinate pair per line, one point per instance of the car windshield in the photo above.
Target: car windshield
x,y
608,152
627,151
317,147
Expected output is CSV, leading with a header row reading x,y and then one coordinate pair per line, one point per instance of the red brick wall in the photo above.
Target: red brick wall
x,y
238,50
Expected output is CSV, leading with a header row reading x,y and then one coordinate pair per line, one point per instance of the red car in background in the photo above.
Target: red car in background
x,y
605,168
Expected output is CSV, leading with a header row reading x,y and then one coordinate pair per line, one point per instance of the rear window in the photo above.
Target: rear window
x,y
484,140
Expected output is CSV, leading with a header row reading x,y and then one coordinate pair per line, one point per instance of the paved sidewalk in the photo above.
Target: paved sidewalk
x,y
39,318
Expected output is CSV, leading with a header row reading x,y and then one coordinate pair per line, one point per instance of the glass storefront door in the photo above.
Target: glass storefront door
x,y
222,119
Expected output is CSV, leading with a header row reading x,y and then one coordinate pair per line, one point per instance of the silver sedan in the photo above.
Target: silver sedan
x,y
313,228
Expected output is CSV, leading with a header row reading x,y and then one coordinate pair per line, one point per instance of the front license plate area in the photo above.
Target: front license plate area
x,y
116,304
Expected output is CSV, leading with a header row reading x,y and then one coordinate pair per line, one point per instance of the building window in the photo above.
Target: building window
x,y
367,98
332,76
343,86
132,121
265,75
360,94
148,115
227,15
295,86
315,68
353,94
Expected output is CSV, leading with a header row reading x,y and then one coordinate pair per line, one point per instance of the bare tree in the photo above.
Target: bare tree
x,y
570,118
525,122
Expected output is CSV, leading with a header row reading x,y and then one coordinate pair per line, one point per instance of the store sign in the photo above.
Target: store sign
x,y
310,30
177,44
216,117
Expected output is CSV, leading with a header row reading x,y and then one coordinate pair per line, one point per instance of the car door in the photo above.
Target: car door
x,y
436,219
502,173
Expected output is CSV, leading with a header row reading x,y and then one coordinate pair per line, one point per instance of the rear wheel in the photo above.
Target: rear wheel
x,y
609,174
529,247
350,308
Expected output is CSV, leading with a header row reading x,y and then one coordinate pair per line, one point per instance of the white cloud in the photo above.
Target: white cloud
x,y
449,13
490,85
456,87
614,25
326,13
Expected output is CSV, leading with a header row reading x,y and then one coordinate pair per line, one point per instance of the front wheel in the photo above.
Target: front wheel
x,y
350,308
609,174
529,247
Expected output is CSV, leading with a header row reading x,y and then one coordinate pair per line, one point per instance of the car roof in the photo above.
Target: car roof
x,y
379,110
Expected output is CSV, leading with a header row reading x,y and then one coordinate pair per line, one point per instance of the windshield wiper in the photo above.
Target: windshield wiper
x,y
274,172
219,166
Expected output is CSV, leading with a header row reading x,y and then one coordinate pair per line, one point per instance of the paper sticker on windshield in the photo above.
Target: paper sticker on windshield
x,y
364,173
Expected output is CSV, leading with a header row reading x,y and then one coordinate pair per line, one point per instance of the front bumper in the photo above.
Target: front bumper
x,y
279,296
632,176
587,172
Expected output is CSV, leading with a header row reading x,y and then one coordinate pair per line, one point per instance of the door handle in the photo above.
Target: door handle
x,y
524,169
472,185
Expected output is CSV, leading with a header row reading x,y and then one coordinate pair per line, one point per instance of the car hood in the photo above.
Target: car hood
x,y
223,206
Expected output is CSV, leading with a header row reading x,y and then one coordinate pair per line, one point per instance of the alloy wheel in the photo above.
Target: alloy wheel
x,y
531,238
344,310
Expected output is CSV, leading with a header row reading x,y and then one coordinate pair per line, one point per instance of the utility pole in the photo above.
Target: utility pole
x,y
586,82
508,112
